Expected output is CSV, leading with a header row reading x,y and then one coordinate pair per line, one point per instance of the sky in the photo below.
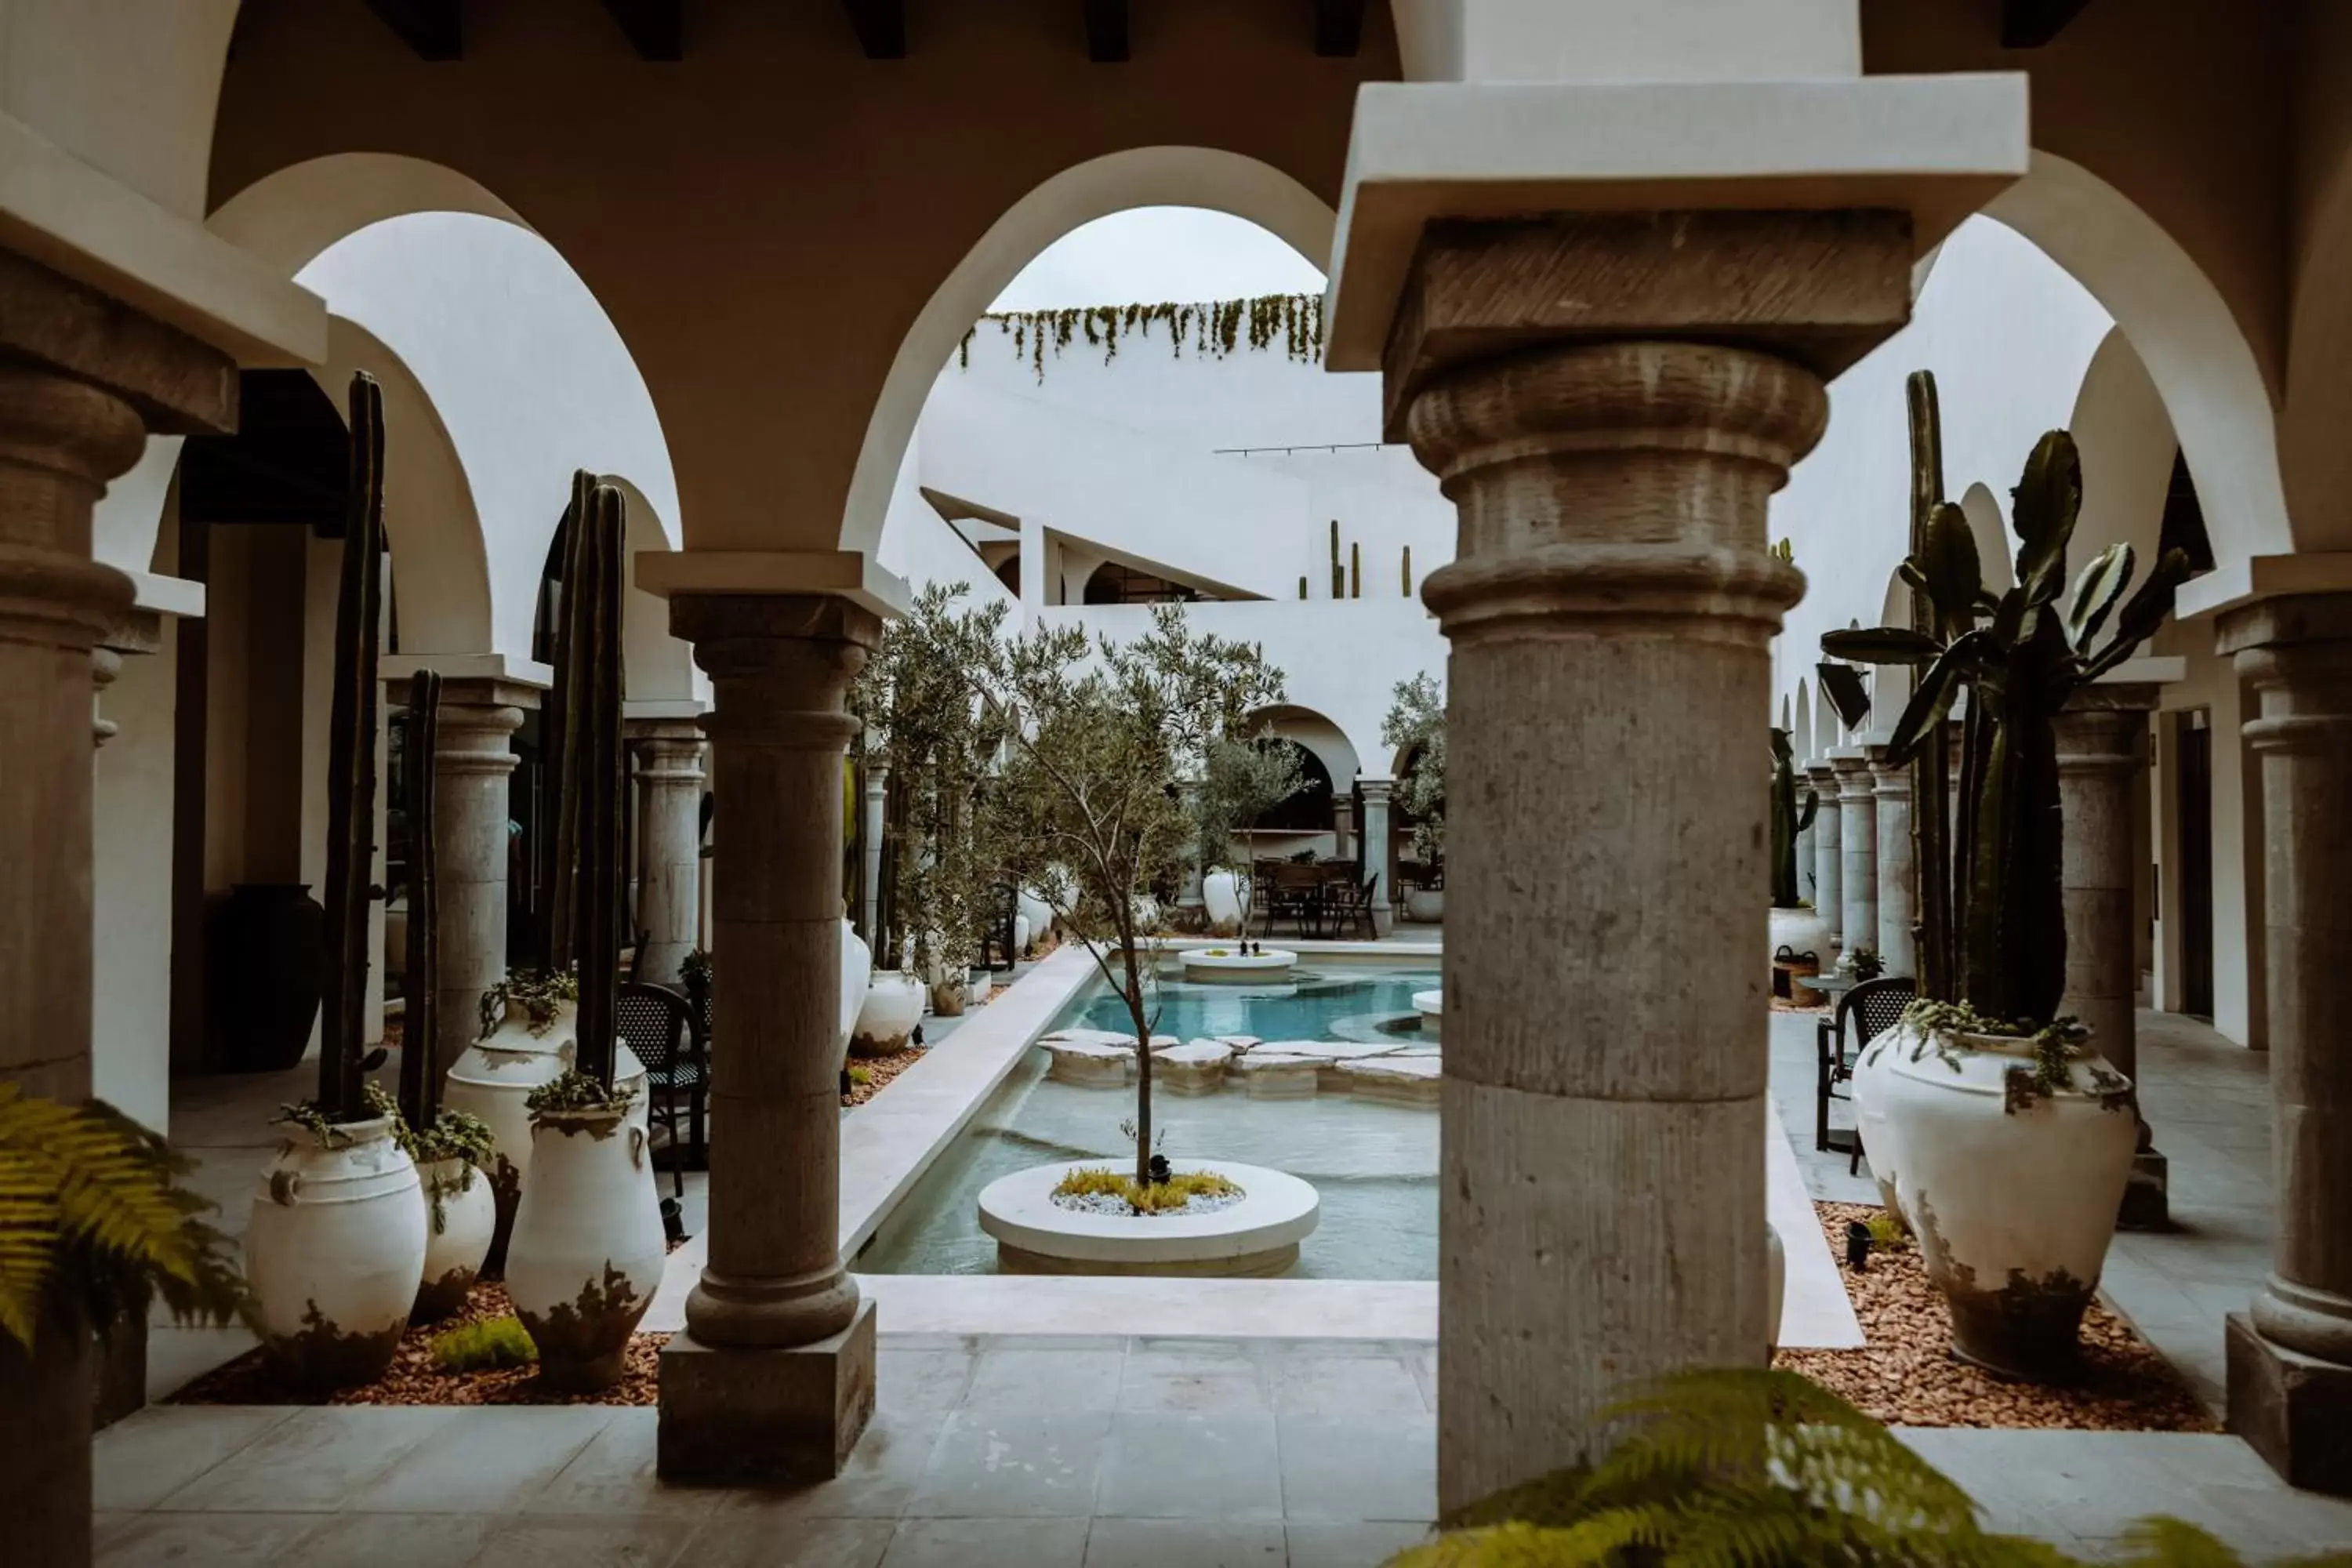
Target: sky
x,y
1148,255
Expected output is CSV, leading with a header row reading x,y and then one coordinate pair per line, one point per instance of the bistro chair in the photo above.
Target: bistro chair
x,y
1296,896
654,1020
1873,1007
1349,903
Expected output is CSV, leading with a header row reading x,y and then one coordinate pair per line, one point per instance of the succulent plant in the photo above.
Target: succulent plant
x,y
1788,819
1993,934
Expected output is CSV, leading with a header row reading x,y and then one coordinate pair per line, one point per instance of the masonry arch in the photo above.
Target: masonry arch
x,y
2214,390
1316,734
1801,733
1989,528
1116,182
2126,443
2318,404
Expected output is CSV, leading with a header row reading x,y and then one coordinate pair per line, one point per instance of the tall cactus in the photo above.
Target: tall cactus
x,y
2019,659
1933,936
559,736
350,765
420,1068
1355,569
1788,819
1406,576
593,789
1339,572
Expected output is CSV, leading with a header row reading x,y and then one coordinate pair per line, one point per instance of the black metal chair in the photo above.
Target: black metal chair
x,y
654,1020
1873,1006
1348,904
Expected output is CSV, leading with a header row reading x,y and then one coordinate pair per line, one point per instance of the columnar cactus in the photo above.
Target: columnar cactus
x,y
420,1072
593,791
559,736
350,765
1339,572
2001,946
1788,819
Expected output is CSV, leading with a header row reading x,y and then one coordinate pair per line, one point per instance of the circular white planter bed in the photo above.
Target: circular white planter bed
x,y
1259,1235
1212,966
1431,1005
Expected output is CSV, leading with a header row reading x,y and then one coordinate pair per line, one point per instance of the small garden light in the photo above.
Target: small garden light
x,y
1857,1246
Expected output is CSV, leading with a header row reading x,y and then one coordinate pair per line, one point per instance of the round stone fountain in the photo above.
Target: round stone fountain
x,y
1431,1005
1232,966
1256,1236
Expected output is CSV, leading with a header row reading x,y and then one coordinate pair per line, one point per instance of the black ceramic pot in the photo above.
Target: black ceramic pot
x,y
265,959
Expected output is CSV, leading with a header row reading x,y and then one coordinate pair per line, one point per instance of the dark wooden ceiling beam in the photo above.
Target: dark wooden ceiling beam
x,y
655,28
881,27
433,28
1339,28
2030,24
1106,31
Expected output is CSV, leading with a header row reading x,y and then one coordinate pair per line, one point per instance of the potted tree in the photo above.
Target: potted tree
x,y
1415,726
588,1244
1800,936
2007,1140
1087,810
1243,777
335,1244
529,1023
447,1145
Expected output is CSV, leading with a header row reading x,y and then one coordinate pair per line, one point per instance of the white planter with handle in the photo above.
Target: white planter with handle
x,y
588,1245
1221,897
333,1251
2012,1193
892,1009
460,1217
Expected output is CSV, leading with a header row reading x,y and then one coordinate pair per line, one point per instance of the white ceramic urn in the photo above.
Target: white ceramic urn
x,y
588,1246
1775,1288
498,1071
1221,896
2013,1193
1426,905
333,1251
1878,1137
460,1217
892,1008
1039,913
1801,932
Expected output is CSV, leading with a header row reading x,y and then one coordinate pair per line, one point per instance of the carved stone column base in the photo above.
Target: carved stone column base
x,y
2293,1410
765,1416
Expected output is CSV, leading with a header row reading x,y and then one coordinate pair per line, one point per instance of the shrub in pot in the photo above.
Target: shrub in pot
x,y
2007,1139
588,1243
335,1244
1796,928
1245,775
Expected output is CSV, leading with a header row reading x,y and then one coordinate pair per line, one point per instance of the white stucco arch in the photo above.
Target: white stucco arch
x,y
1801,733
1988,526
659,668
290,218
2213,385
2127,445
2316,455
1318,733
1134,177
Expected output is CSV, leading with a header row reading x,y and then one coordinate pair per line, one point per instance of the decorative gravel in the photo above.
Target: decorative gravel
x,y
1103,1203
413,1379
879,1071
1906,1375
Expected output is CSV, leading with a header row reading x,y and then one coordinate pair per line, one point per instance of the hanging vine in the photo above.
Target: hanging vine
x,y
1212,330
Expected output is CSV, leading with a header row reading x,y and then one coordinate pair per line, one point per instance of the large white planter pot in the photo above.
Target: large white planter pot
x,y
1221,897
1020,929
1040,912
1426,905
494,1077
588,1246
856,969
333,1250
2012,1195
460,1217
893,1007
1801,932
1776,1286
1879,1145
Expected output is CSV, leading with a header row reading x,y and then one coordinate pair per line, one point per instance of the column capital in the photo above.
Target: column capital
x,y
665,732
1377,791
1852,766
768,652
488,679
2296,653
2098,730
1822,772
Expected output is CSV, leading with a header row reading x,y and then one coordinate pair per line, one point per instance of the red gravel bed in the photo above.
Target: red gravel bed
x,y
413,1379
1906,1375
879,1071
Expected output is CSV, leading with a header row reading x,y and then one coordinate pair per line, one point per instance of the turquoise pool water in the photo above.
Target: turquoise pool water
x,y
1374,1166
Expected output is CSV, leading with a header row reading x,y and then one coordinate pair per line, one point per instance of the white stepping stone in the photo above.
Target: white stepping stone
x,y
1326,1050
1277,1074
1398,1080
1091,1064
1240,1042
1195,1068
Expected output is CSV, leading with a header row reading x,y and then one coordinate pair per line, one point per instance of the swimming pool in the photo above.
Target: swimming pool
x,y
1374,1166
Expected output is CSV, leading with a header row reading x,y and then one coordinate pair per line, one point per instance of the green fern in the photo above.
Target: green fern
x,y
92,1221
1750,1469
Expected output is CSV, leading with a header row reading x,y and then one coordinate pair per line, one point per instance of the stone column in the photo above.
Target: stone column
x,y
2099,767
1857,851
473,766
669,825
1829,870
1343,826
1376,851
1898,885
1609,611
2290,1357
773,1377
82,377
877,799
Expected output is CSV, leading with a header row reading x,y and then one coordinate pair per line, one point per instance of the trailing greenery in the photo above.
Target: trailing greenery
x,y
94,1225
2058,1044
1214,329
335,1132
1867,965
1760,1470
1087,810
1145,1197
350,765
484,1346
1992,918
1788,820
1415,726
577,1094
940,871
540,996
